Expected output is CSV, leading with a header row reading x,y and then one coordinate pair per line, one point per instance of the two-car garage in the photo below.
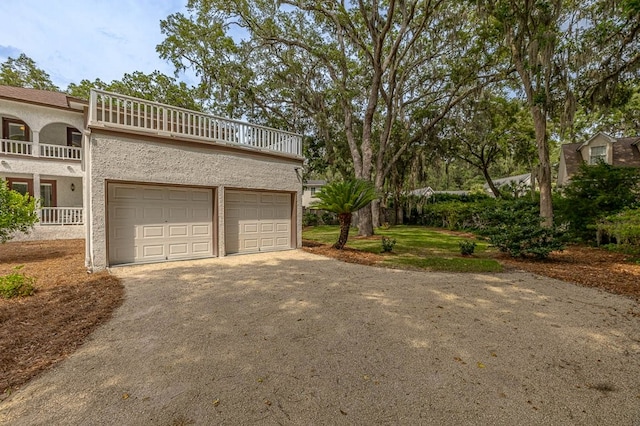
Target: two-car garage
x,y
155,223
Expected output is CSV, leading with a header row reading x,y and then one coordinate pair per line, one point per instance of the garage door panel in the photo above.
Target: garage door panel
x,y
152,213
257,221
150,194
150,231
148,223
178,230
201,230
282,227
178,195
201,214
201,247
201,195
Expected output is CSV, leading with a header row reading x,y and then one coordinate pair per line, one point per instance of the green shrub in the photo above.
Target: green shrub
x,y
467,247
514,227
595,192
624,227
310,219
16,284
329,218
388,244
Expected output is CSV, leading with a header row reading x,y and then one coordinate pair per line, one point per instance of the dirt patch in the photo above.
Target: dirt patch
x,y
586,266
39,331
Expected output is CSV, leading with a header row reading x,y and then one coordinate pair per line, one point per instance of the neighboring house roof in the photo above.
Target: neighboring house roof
x,y
422,192
625,153
428,192
572,157
518,179
42,97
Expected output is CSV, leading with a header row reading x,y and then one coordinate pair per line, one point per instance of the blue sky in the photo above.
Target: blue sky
x,y
76,39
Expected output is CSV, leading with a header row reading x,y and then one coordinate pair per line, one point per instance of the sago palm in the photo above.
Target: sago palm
x,y
344,198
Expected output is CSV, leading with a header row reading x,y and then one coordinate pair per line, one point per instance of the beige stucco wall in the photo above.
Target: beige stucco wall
x,y
67,197
120,157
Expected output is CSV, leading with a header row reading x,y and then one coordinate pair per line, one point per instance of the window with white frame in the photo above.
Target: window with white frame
x,y
597,154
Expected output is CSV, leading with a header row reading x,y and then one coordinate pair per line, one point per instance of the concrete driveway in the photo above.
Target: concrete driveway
x,y
292,338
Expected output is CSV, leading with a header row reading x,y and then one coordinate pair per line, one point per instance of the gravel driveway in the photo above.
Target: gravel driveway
x,y
293,338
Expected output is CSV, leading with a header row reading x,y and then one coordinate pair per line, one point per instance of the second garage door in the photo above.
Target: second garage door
x,y
157,223
257,221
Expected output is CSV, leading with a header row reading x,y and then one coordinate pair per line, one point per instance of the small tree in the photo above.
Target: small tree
x,y
17,212
344,198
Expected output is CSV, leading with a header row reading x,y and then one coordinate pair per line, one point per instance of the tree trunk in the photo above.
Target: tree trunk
x,y
345,223
375,213
492,186
365,222
544,168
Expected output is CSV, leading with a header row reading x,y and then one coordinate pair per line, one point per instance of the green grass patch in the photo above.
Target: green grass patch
x,y
416,247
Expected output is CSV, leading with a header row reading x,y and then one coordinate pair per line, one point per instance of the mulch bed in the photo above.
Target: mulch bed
x,y
69,303
586,266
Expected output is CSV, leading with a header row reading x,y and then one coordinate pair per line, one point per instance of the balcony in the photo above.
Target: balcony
x,y
60,152
114,111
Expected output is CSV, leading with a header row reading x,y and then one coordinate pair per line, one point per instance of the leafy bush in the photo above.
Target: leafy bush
x,y
16,284
624,227
17,212
467,247
329,218
514,227
388,244
310,219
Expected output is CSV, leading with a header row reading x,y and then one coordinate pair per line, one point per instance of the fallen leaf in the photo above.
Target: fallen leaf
x,y
343,413
480,365
267,402
216,402
125,396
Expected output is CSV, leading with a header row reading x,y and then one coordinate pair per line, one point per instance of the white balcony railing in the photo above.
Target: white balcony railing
x,y
61,216
60,151
128,113
8,146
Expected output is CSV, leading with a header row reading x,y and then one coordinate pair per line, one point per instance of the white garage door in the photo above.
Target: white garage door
x,y
158,223
257,221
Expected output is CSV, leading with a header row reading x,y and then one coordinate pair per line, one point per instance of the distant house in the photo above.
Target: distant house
x,y
309,191
428,192
519,183
623,152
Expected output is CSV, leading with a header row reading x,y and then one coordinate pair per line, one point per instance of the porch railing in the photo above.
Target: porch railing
x,y
128,113
60,152
61,216
8,146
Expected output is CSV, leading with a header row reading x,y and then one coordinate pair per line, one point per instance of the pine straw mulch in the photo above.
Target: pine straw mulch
x,y
586,266
39,331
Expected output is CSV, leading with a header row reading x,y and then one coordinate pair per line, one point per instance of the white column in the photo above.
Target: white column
x,y
35,135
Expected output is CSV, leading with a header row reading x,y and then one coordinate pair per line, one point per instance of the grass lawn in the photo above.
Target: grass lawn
x,y
416,247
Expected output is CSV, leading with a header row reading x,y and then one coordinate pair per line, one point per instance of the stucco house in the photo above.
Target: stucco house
x,y
624,152
161,183
309,190
41,154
